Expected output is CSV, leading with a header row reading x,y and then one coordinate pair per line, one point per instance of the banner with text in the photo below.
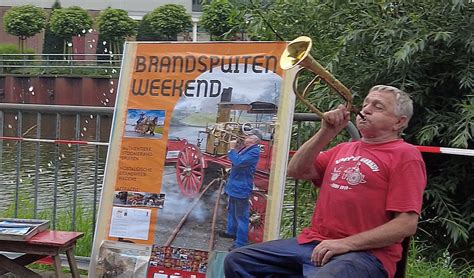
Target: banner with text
x,y
178,107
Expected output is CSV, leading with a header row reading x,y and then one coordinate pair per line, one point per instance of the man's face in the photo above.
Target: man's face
x,y
380,119
250,140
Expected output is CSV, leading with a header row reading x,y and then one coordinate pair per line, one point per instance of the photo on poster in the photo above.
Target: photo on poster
x,y
143,199
180,262
197,166
144,123
122,260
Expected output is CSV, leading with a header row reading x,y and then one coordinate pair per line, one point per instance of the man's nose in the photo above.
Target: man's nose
x,y
366,110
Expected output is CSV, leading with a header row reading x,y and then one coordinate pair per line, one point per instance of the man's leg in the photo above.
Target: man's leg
x,y
231,220
242,211
277,258
350,265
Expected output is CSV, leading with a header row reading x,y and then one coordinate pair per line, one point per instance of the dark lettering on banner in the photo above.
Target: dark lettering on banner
x,y
187,64
172,87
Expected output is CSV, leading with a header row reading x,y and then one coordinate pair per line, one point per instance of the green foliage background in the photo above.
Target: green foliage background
x,y
52,44
221,19
24,22
164,23
423,47
115,26
68,22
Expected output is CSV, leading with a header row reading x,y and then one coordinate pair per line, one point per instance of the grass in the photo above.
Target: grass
x,y
63,221
443,266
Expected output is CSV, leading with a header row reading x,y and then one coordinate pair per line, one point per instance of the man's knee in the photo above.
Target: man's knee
x,y
232,259
352,265
234,264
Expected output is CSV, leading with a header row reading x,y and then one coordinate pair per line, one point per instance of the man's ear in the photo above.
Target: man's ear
x,y
400,123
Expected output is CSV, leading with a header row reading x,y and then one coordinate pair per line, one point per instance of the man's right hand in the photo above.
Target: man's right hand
x,y
335,120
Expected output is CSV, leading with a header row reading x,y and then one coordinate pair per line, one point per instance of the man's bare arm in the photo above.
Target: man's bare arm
x,y
301,165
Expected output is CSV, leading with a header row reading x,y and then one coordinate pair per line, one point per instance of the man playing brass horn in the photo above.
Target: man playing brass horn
x,y
369,201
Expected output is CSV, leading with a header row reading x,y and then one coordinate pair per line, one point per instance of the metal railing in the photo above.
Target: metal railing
x,y
100,64
51,124
18,123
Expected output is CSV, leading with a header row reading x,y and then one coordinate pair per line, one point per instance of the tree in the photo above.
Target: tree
x,y
52,43
69,22
24,22
145,32
424,47
219,19
167,21
115,26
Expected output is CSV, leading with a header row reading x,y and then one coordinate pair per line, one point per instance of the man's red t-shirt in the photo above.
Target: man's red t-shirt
x,y
363,184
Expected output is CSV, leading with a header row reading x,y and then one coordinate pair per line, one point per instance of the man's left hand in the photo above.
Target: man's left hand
x,y
326,249
232,144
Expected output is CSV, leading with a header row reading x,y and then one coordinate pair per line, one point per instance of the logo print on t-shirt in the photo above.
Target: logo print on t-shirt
x,y
353,176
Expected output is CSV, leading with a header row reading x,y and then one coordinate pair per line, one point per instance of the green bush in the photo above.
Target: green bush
x,y
11,49
6,48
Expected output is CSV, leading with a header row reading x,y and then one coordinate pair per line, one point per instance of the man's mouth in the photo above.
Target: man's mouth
x,y
361,116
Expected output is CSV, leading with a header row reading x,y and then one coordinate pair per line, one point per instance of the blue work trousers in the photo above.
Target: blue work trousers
x,y
238,220
287,258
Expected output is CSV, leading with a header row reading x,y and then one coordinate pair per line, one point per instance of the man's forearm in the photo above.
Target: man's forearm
x,y
393,231
301,164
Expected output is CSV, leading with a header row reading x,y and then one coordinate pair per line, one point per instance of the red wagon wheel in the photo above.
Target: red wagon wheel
x,y
258,205
190,170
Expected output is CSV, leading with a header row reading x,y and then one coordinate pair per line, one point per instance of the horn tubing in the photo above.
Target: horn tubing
x,y
297,53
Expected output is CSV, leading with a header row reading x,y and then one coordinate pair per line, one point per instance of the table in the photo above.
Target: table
x,y
43,244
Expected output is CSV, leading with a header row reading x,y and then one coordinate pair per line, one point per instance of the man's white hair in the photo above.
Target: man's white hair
x,y
403,102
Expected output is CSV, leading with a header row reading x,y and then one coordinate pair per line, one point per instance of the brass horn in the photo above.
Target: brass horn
x,y
298,53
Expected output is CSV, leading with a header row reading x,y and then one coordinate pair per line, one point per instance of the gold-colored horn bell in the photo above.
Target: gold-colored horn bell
x,y
298,53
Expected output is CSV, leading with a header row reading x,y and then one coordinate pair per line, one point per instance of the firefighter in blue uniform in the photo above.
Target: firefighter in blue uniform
x,y
239,187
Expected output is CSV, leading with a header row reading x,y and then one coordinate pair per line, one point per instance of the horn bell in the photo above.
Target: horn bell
x,y
297,53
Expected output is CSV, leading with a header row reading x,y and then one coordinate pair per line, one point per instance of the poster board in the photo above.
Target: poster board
x,y
178,107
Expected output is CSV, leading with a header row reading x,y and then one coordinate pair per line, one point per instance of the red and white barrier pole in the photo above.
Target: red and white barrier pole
x,y
424,149
429,149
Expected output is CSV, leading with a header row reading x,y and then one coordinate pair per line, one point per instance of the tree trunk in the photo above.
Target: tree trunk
x,y
21,44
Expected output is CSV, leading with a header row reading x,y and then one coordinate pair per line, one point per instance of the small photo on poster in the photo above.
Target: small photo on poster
x,y
120,197
145,123
135,198
154,200
122,260
142,199
179,259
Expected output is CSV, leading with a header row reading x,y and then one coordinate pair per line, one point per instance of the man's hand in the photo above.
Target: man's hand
x,y
232,144
326,249
335,120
